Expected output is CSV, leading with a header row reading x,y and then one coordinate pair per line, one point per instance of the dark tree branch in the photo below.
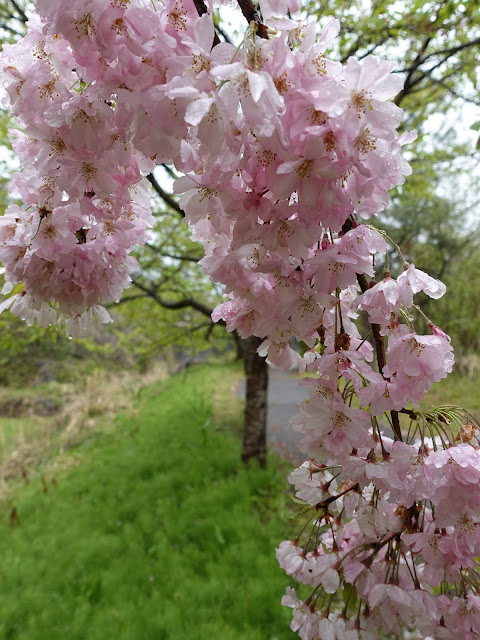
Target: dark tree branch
x,y
166,278
201,9
445,54
416,64
23,16
161,344
357,45
441,82
208,334
183,258
165,196
377,336
251,14
178,304
158,252
428,74
11,30
373,48
223,34
170,171
378,339
448,53
122,300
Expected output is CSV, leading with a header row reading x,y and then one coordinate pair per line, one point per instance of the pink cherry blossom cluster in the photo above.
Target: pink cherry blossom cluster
x,y
283,151
394,522
84,205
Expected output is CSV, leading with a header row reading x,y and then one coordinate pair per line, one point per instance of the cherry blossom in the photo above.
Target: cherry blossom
x,y
281,151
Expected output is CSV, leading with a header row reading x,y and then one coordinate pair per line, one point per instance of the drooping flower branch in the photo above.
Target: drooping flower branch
x,y
283,153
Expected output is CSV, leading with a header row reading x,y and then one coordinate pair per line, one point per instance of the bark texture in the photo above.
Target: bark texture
x,y
255,432
240,347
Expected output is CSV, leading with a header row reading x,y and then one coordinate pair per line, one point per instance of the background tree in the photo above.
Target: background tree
x,y
170,278
434,44
442,239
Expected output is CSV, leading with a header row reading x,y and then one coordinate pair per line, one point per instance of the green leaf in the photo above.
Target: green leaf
x,y
300,513
298,501
349,595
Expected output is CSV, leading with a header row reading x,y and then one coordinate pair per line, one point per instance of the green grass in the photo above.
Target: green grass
x,y
22,413
13,429
455,389
159,533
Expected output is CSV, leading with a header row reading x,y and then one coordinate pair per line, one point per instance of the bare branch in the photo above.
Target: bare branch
x,y
409,79
377,337
23,16
251,15
201,9
165,196
448,53
455,94
223,34
122,300
11,30
444,55
183,258
178,304
169,170
166,278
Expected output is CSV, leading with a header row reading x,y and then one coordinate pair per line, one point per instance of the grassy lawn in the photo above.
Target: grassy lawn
x,y
145,525
156,533
458,390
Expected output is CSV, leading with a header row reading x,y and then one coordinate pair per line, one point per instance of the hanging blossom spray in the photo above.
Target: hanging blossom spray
x,y
283,153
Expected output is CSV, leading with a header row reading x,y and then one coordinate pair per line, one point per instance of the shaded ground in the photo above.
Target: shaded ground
x,y
283,397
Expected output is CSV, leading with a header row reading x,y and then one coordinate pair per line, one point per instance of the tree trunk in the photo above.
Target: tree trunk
x,y
240,345
255,432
